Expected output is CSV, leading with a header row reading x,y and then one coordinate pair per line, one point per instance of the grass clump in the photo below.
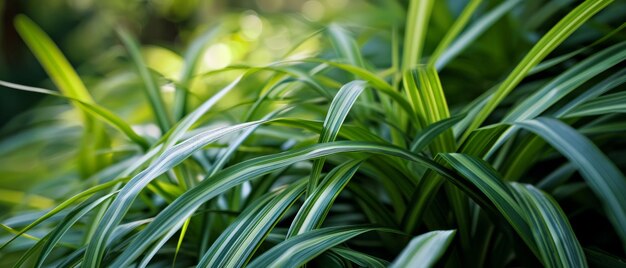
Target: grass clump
x,y
487,134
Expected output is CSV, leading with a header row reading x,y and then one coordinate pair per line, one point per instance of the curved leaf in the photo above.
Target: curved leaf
x,y
564,28
547,220
314,210
169,159
151,88
337,113
239,241
424,250
176,213
299,249
602,176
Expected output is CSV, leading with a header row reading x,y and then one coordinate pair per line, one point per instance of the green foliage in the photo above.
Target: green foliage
x,y
490,138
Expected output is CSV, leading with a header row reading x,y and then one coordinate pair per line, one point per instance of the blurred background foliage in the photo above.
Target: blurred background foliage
x,y
85,32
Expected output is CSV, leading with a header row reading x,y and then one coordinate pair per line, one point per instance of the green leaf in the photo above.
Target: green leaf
x,y
602,176
428,134
360,259
151,87
563,29
175,214
69,83
65,204
300,249
424,250
183,231
424,89
415,33
241,239
547,64
372,79
191,58
565,83
454,30
336,115
169,159
473,31
554,237
608,104
92,108
345,46
316,206
13,197
55,236
52,60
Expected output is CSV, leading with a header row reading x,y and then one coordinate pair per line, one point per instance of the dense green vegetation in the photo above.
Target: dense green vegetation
x,y
405,134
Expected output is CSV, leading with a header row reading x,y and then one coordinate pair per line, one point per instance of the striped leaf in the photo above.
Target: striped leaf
x,y
564,28
240,240
360,259
454,30
598,89
554,237
473,31
169,159
487,180
601,175
177,132
428,134
64,205
611,103
537,219
415,33
316,207
347,49
300,249
561,86
55,236
175,214
424,250
567,82
424,89
337,113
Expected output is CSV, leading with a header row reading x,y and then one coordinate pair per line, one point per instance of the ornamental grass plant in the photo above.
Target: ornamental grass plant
x,y
413,133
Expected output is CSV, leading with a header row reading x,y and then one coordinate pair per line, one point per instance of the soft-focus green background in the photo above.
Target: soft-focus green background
x,y
252,33
84,30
